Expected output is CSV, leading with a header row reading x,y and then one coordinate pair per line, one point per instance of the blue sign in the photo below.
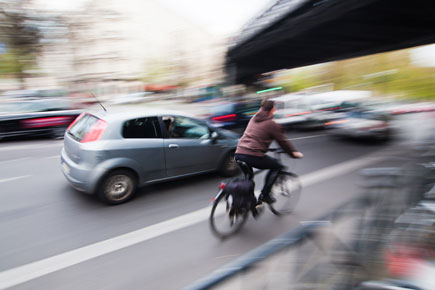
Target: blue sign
x,y
3,48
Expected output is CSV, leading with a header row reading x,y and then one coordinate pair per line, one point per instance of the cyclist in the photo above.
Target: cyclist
x,y
255,142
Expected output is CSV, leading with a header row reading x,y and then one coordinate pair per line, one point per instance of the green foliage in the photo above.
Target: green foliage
x,y
9,64
20,32
388,74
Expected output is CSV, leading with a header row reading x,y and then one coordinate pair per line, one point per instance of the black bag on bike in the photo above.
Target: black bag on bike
x,y
242,193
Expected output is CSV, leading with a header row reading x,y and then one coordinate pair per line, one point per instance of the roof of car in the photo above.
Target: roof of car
x,y
124,113
287,97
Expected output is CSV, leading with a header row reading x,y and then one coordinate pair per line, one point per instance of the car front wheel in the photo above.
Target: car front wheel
x,y
117,187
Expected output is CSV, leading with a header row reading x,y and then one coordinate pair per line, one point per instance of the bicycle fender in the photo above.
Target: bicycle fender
x,y
220,192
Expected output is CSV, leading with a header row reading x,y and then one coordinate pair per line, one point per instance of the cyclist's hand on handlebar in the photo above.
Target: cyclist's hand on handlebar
x,y
297,155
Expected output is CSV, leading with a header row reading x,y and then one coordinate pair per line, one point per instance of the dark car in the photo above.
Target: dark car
x,y
48,117
233,115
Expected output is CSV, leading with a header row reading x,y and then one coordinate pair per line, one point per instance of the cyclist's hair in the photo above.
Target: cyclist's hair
x,y
267,105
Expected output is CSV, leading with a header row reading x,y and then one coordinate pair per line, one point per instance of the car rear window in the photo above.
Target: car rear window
x,y
82,126
142,128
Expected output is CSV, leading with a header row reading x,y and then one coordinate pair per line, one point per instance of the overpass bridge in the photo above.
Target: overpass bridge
x,y
295,33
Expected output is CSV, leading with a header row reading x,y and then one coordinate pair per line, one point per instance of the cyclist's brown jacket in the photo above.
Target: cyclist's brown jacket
x,y
259,133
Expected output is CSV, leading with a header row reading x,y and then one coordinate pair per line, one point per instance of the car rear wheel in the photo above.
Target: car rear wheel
x,y
117,187
229,165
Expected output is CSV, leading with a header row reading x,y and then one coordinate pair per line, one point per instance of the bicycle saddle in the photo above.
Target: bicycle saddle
x,y
246,169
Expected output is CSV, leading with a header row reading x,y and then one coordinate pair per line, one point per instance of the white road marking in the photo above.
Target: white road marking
x,y
27,158
14,160
27,272
52,157
307,137
30,146
337,170
14,178
43,267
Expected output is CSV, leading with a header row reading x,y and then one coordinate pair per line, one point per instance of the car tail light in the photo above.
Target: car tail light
x,y
75,121
95,132
225,118
46,122
222,185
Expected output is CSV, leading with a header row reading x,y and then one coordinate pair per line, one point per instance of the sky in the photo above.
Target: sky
x,y
226,17
218,16
221,17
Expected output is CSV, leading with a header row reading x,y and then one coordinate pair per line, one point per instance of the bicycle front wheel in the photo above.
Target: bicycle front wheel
x,y
223,222
286,190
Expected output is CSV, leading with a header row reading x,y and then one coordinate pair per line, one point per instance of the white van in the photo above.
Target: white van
x,y
313,110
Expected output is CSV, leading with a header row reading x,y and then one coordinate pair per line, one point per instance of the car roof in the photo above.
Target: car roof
x,y
116,114
288,97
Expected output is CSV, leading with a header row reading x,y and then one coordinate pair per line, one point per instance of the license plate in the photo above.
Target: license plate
x,y
66,168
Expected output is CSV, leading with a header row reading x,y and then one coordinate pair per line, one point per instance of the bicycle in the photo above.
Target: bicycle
x,y
286,190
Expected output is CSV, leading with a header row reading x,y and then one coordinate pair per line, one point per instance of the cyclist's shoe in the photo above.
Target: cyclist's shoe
x,y
266,198
258,210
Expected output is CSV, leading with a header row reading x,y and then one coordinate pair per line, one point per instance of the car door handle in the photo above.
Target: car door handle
x,y
173,146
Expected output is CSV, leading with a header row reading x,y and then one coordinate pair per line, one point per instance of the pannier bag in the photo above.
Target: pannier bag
x,y
242,193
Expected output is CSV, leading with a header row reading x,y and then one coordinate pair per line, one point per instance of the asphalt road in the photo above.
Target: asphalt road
x,y
54,237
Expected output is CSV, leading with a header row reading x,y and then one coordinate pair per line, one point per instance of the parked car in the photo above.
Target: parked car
x,y
232,115
35,117
362,124
111,153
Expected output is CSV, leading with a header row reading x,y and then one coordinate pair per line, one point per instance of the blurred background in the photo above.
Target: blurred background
x,y
138,51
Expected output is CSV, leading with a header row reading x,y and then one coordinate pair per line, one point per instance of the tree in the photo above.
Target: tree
x,y
19,30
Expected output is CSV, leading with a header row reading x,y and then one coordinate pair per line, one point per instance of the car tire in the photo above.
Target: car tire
x,y
229,166
57,133
117,187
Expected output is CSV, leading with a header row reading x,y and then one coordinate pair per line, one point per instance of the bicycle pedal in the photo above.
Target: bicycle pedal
x,y
259,208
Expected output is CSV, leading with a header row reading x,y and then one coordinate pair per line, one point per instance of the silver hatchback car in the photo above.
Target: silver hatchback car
x,y
112,153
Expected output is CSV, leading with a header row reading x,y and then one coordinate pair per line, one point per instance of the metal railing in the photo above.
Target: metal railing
x,y
339,250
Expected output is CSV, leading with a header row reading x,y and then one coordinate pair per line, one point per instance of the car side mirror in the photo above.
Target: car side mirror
x,y
214,136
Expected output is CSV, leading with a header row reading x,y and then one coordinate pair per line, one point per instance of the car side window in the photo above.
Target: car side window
x,y
183,127
142,128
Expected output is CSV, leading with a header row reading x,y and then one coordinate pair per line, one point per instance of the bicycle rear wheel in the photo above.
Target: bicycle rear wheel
x,y
286,190
223,222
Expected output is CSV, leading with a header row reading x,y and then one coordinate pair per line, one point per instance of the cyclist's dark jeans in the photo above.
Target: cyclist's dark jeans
x,y
265,162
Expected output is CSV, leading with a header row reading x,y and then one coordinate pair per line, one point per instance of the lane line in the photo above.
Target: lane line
x,y
307,137
27,272
15,276
14,178
14,160
36,146
338,169
52,157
